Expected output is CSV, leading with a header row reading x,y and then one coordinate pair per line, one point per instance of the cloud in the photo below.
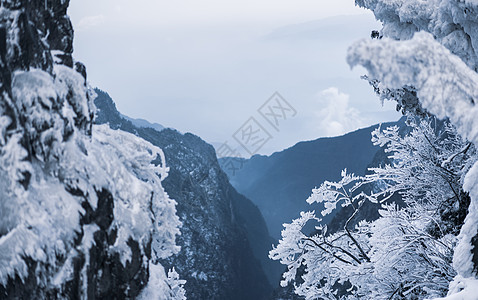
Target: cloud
x,y
167,14
90,22
336,116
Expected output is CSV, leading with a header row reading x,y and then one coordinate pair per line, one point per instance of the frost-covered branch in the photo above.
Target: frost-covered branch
x,y
441,67
408,250
445,85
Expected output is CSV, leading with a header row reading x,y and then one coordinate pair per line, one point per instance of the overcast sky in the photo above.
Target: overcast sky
x,y
207,66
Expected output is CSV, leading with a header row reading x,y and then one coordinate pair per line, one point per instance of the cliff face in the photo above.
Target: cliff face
x,y
69,226
219,224
34,35
216,257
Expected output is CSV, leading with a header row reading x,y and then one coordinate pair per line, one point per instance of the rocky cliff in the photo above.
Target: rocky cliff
x,y
83,214
219,224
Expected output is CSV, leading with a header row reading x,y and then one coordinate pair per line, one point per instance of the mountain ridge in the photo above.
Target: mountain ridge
x,y
236,234
288,176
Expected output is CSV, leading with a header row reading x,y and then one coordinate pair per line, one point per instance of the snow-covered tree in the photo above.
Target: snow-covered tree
x,y
408,250
431,46
328,259
415,250
413,245
425,58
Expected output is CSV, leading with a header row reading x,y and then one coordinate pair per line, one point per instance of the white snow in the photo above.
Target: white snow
x,y
162,287
446,85
441,65
452,23
42,221
462,289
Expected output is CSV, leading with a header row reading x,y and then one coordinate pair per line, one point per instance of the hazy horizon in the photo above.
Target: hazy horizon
x,y
207,70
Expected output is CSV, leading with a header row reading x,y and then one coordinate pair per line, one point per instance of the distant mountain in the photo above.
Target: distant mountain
x,y
224,240
279,184
143,123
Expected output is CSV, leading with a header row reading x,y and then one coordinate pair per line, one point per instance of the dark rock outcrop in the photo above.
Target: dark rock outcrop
x,y
37,36
34,35
106,277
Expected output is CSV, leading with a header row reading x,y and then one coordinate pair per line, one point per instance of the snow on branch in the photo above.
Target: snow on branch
x,y
445,85
331,193
441,67
452,23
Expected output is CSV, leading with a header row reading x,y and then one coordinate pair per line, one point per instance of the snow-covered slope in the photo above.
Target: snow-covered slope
x,y
83,213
